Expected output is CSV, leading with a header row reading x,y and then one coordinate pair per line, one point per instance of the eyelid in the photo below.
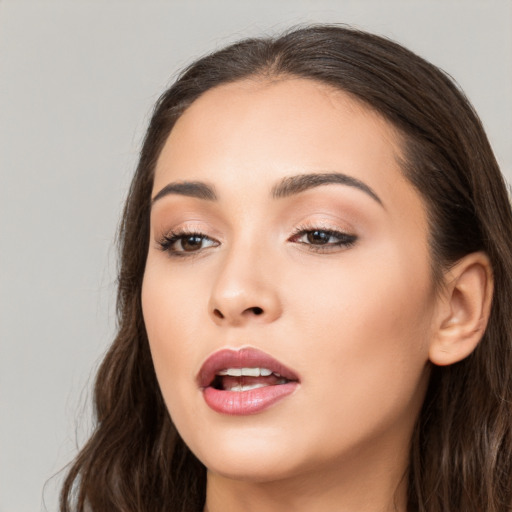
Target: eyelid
x,y
324,225
171,240
187,226
166,241
345,238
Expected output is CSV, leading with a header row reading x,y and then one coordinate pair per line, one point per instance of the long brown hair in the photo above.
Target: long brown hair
x,y
461,450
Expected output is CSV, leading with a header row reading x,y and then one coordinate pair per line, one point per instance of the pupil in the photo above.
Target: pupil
x,y
191,243
318,237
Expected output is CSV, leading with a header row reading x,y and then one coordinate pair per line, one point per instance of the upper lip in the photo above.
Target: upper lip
x,y
241,358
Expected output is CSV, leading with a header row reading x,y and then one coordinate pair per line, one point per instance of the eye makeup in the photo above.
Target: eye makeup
x,y
316,238
321,239
182,243
319,221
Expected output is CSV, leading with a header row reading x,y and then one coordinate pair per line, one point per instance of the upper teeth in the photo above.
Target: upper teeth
x,y
246,372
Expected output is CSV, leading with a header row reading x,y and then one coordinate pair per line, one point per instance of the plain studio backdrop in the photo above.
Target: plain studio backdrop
x,y
77,82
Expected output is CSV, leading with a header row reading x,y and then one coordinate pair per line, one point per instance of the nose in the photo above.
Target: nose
x,y
245,291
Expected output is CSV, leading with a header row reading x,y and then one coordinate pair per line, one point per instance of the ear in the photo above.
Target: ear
x,y
463,309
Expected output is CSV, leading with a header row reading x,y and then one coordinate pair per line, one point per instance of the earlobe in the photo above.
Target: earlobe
x,y
463,310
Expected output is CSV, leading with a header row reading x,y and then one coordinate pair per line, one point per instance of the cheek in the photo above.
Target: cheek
x,y
373,295
365,331
171,302
170,309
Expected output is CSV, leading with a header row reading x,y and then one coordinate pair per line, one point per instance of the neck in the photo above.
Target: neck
x,y
362,485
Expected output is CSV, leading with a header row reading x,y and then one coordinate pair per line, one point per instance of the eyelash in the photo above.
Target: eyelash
x,y
167,242
345,240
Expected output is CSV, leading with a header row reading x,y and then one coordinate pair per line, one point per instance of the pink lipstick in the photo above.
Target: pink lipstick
x,y
245,381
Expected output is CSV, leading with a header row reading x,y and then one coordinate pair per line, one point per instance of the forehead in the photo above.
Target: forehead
x,y
282,125
249,134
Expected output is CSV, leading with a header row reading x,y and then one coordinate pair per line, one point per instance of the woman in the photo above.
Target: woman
x,y
314,294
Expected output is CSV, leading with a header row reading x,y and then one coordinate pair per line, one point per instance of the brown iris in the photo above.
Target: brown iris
x,y
191,243
318,237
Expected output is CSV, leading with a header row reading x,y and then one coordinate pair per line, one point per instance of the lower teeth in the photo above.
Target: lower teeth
x,y
247,387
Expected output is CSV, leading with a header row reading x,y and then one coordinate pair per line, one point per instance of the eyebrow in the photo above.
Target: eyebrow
x,y
195,189
286,187
296,184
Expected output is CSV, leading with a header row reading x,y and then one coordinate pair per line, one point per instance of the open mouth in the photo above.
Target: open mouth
x,y
244,381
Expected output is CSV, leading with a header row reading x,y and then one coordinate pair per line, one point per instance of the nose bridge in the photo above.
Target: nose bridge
x,y
245,289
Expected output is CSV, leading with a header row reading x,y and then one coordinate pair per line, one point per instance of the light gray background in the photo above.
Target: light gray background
x,y
77,81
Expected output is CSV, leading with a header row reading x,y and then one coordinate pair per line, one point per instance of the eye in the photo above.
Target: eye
x,y
323,239
184,243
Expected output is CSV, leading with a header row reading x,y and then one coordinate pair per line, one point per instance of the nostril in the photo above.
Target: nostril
x,y
257,311
217,313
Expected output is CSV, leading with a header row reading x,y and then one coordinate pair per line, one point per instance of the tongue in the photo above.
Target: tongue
x,y
229,382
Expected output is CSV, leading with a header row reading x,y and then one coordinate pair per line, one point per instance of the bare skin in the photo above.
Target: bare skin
x,y
333,280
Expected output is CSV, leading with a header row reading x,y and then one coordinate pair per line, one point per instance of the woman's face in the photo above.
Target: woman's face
x,y
282,225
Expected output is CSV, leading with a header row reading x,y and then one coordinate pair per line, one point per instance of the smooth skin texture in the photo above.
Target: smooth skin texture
x,y
356,317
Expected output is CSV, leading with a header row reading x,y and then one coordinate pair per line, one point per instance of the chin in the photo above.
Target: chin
x,y
249,469
253,453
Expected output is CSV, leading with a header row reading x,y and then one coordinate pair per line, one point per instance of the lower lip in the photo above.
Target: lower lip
x,y
239,403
